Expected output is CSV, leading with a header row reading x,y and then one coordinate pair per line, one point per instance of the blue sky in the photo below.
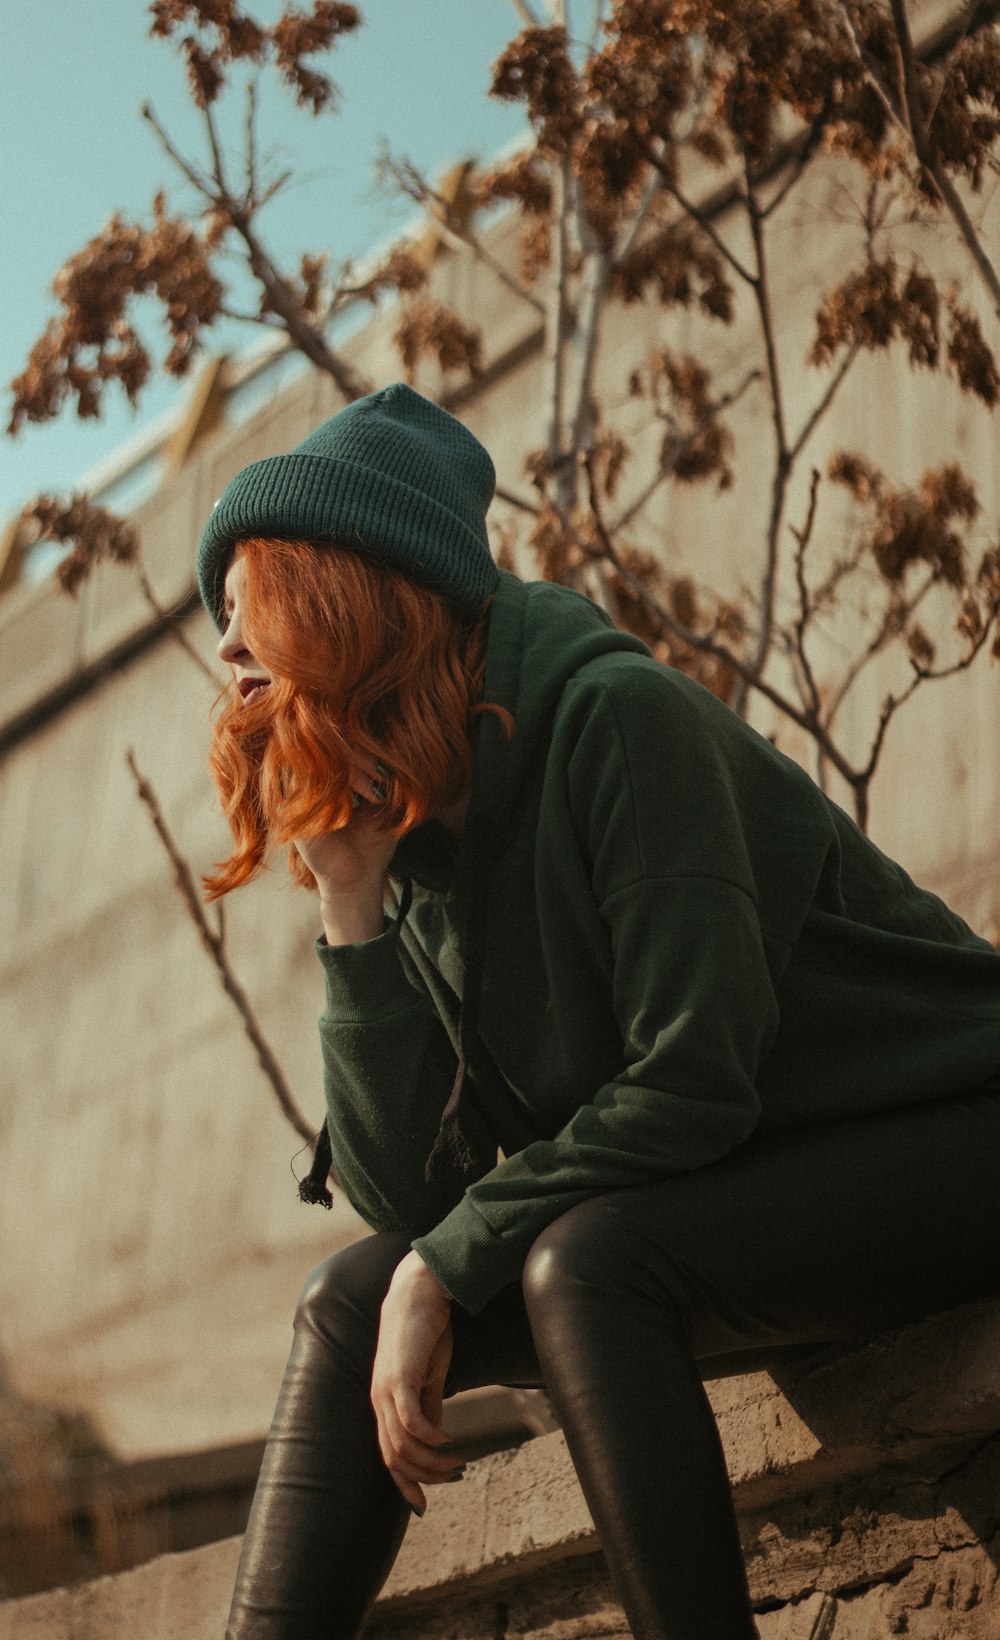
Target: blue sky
x,y
73,75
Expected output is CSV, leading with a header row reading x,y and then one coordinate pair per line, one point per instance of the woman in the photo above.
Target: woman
x,y
651,1043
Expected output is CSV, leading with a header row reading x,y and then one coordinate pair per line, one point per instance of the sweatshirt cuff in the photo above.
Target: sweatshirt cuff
x,y
468,1258
365,983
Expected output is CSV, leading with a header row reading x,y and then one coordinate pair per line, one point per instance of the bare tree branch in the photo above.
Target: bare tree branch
x,y
807,148
282,300
556,318
194,176
250,141
218,162
783,458
456,233
514,500
803,536
697,641
175,629
214,942
832,388
702,218
681,444
895,618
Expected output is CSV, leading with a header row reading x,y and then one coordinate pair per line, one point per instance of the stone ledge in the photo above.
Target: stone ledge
x,y
890,1402
896,1517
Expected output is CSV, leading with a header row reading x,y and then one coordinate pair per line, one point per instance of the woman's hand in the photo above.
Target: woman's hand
x,y
350,865
411,1365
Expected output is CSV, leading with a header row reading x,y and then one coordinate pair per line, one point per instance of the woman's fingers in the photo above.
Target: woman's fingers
x,y
370,781
413,1464
435,1459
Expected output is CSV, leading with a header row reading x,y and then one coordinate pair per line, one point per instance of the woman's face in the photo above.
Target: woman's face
x,y
250,675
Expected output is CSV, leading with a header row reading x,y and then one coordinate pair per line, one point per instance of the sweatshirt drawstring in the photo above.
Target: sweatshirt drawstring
x,y
450,1150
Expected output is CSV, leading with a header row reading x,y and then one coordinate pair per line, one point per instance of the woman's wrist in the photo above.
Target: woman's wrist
x,y
350,922
414,1272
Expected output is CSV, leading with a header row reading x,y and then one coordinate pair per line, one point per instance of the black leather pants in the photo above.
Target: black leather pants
x,y
628,1302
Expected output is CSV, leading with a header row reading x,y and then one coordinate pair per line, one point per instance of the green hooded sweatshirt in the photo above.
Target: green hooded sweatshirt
x,y
679,942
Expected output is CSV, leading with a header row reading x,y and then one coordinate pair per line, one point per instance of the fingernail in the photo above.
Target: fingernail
x,y
381,769
355,800
457,1475
379,792
415,1511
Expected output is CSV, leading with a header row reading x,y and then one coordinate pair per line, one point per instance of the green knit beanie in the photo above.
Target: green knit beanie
x,y
391,475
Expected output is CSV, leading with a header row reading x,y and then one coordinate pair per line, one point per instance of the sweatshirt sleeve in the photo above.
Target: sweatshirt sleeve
x,y
388,1068
692,991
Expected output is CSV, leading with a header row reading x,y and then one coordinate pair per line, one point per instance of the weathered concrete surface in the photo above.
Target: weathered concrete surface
x,y
843,1413
905,1541
944,1594
186,1597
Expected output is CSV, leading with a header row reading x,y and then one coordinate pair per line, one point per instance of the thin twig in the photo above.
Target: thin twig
x,y
803,537
250,141
783,458
518,501
922,674
556,318
194,176
682,443
218,161
702,218
273,188
825,401
265,319
808,145
175,629
651,188
894,619
284,302
410,182
214,943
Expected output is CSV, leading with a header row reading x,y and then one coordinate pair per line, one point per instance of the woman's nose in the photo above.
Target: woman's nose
x,y
231,647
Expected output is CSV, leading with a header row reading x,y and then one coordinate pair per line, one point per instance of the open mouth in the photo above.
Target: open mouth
x,y
252,688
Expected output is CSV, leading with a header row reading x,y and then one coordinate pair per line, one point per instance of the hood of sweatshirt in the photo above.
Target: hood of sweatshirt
x,y
540,635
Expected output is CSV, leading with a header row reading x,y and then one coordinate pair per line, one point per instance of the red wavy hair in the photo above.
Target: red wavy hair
x,y
365,663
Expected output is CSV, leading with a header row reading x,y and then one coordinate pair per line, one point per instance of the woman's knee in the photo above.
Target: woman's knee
x,y
342,1297
580,1248
601,1248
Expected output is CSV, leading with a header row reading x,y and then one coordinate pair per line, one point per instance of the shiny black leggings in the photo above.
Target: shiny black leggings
x,y
628,1301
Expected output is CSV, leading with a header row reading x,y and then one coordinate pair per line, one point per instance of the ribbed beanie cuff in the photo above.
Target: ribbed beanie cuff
x,y
391,475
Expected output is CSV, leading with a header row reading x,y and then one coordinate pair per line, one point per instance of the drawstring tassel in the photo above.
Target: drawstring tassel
x,y
450,1151
313,1188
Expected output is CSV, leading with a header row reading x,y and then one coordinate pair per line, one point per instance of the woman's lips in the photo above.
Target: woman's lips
x,y
250,688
